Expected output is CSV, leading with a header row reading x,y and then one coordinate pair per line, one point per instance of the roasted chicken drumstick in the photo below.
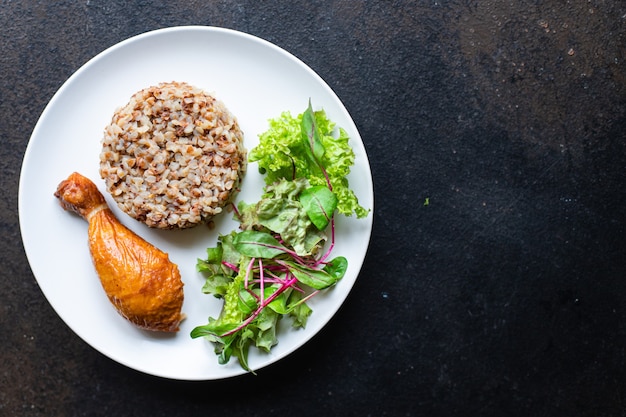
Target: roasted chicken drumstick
x,y
139,279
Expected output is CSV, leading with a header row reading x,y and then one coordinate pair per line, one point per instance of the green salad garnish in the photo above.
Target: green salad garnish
x,y
276,261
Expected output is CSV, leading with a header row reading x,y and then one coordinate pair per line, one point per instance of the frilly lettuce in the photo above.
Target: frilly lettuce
x,y
285,151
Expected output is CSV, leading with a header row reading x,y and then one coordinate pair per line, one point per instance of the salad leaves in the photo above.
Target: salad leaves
x,y
280,257
305,147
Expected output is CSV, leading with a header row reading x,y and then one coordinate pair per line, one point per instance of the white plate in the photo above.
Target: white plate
x,y
257,81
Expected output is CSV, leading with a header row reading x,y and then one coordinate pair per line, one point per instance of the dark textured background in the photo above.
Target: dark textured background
x,y
505,296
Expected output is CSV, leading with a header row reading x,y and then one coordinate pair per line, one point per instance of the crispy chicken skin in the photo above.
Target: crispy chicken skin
x,y
139,279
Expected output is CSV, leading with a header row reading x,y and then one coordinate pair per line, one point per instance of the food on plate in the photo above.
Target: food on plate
x,y
280,258
173,156
139,279
308,145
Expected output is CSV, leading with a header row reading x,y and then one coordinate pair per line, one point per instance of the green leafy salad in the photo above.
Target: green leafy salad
x,y
279,257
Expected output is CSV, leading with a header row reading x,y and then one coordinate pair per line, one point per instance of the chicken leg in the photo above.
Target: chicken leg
x,y
139,279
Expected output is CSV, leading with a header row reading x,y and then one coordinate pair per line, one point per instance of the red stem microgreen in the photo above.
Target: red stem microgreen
x,y
261,280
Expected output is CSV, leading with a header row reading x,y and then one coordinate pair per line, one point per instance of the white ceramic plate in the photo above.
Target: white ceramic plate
x,y
257,81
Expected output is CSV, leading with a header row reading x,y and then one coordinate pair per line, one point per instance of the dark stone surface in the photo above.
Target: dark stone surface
x,y
505,295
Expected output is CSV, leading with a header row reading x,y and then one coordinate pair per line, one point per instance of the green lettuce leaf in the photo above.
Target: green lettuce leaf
x,y
280,211
320,204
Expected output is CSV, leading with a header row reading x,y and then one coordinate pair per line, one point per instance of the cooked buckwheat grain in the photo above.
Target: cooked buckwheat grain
x,y
173,156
